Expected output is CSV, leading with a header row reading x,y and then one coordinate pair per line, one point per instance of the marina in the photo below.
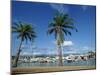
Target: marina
x,y
69,60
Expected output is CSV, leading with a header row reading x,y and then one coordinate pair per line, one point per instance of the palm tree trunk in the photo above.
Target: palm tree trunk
x,y
18,54
60,62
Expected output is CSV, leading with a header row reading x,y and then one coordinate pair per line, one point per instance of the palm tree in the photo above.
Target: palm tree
x,y
24,32
61,26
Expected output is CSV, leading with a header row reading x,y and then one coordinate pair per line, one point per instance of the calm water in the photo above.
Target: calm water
x,y
91,62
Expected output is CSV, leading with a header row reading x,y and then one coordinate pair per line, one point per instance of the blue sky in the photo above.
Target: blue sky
x,y
40,14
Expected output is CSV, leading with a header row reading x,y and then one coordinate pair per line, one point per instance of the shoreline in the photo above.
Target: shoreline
x,y
30,70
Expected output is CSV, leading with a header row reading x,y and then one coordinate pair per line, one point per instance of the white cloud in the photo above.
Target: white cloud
x,y
37,53
59,7
67,43
85,48
26,53
70,52
84,7
22,46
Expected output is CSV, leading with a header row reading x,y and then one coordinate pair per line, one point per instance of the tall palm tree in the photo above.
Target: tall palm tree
x,y
24,32
61,26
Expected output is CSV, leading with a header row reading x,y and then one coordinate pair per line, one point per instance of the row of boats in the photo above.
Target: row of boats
x,y
69,58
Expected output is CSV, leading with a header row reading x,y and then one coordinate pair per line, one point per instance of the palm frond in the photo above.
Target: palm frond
x,y
61,25
50,30
24,31
66,32
68,27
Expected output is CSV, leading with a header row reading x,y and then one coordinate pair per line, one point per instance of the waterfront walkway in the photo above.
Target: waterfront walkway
x,y
49,69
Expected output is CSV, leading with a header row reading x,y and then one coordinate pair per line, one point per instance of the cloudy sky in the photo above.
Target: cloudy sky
x,y
41,14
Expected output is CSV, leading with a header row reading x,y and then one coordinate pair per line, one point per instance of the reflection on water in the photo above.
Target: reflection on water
x,y
90,62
